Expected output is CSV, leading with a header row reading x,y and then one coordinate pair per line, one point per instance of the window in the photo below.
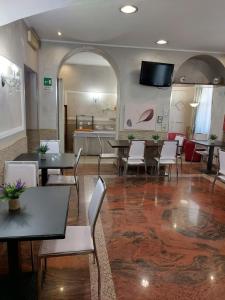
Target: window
x,y
203,95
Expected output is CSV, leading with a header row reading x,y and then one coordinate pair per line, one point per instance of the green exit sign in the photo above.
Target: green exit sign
x,y
47,81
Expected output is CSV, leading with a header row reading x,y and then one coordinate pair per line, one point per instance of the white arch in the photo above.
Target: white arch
x,y
112,63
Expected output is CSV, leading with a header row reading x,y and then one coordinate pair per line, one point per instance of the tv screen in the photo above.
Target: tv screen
x,y
156,74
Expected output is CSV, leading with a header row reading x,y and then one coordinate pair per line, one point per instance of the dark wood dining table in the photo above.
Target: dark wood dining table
x,y
42,216
211,146
52,161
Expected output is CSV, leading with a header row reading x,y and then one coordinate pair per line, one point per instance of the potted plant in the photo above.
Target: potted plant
x,y
42,149
12,192
130,137
155,138
212,138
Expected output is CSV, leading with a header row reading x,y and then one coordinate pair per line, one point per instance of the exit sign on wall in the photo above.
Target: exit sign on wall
x,y
47,81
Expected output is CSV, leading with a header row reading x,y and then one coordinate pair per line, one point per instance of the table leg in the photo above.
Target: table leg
x,y
210,159
44,176
13,257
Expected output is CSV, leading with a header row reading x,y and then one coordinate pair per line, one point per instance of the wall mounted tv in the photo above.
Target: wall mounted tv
x,y
156,74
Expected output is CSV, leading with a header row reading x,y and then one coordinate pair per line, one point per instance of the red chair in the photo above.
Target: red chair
x,y
189,147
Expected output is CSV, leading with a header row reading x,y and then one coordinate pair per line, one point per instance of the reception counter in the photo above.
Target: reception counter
x,y
88,141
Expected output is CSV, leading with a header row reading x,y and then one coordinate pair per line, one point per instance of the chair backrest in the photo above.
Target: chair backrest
x,y
180,140
53,145
77,162
137,150
169,150
96,203
27,171
222,161
201,136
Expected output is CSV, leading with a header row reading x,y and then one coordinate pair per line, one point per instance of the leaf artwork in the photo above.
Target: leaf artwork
x,y
146,116
129,123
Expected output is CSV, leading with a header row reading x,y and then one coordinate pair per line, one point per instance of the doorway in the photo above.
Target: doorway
x,y
31,107
87,98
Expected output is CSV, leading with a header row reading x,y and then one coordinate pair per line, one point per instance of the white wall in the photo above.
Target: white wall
x,y
13,45
126,63
180,109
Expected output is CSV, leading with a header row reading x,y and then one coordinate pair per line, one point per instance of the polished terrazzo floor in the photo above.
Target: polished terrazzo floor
x,y
163,240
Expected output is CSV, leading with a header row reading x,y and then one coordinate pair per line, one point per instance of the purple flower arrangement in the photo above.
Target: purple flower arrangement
x,y
12,191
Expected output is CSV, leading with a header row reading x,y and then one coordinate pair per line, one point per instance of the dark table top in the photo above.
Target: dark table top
x,y
126,143
52,161
43,215
209,143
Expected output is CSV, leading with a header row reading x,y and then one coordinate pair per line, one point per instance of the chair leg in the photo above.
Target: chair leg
x,y
99,276
125,169
169,173
214,181
78,197
99,162
32,255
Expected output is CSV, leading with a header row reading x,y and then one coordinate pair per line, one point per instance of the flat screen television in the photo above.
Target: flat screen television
x,y
156,74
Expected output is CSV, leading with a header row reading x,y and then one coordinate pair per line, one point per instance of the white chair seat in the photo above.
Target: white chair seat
x,y
222,177
60,180
165,161
77,240
132,161
202,152
108,155
51,172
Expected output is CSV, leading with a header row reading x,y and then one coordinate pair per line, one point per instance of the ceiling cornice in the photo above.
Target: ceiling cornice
x,y
130,47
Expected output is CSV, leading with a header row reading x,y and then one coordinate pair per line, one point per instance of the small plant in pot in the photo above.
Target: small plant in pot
x,y
212,138
155,138
130,137
42,150
12,192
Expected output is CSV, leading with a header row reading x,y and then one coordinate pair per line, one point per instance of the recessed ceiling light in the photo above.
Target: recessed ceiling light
x,y
59,33
128,9
161,42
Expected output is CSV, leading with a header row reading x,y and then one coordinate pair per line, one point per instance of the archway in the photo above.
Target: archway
x,y
94,92
201,70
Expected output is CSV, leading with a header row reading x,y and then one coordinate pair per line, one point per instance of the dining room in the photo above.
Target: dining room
x,y
112,150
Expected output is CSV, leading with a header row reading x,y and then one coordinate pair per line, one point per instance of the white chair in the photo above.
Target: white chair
x,y
180,140
103,155
136,156
79,240
66,179
54,147
168,156
27,172
221,172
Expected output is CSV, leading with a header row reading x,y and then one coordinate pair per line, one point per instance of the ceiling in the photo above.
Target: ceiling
x,y
10,12
187,25
87,58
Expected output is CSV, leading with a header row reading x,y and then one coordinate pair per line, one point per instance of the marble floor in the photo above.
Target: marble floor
x,y
159,240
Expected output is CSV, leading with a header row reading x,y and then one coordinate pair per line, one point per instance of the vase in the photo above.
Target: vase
x,y
42,156
155,141
14,204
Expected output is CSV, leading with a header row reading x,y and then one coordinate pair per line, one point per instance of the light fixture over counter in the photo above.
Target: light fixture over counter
x,y
128,9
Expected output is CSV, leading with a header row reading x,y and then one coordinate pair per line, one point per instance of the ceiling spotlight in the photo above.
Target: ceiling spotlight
x,y
59,33
161,42
128,9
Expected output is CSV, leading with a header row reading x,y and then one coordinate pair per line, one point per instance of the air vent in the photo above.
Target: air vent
x,y
33,39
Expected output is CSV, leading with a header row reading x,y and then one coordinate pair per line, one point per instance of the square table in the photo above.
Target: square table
x,y
211,146
42,216
52,161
